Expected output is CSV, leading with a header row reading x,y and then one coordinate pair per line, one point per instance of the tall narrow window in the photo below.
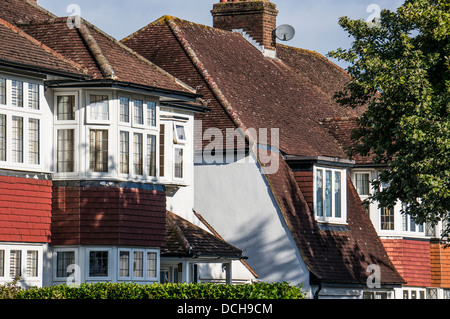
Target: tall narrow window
x,y
162,138
63,260
387,218
151,155
2,263
34,142
124,264
17,139
124,109
99,107
124,152
98,159
362,184
33,96
2,137
17,93
151,265
138,264
178,165
328,194
66,151
337,194
151,114
65,108
3,91
15,263
138,112
32,263
138,154
319,193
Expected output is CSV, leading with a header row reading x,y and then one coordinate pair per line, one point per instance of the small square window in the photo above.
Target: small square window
x,y
65,108
63,260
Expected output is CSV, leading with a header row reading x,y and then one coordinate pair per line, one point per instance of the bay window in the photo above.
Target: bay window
x,y
65,150
330,194
98,158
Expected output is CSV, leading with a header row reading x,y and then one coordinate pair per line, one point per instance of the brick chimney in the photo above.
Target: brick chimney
x,y
257,18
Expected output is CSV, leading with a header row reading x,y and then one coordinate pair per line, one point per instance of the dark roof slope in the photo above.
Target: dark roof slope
x,y
103,56
19,11
185,239
20,48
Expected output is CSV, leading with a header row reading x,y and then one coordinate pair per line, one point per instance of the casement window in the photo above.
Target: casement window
x,y
152,260
98,156
138,156
151,155
66,151
98,108
2,91
63,260
65,107
179,163
15,263
33,96
137,264
98,263
124,116
34,141
387,218
17,93
162,150
124,264
138,112
151,114
2,137
330,194
124,152
2,263
32,263
179,133
408,223
17,139
362,183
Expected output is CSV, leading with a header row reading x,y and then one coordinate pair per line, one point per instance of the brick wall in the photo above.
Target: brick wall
x,y
25,209
108,216
412,260
440,265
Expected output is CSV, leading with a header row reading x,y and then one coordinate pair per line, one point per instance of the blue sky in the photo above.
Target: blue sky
x,y
315,21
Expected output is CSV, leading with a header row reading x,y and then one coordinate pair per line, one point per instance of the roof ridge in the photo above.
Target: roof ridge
x,y
34,4
46,48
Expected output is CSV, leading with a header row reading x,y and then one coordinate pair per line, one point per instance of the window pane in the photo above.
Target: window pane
x,y
138,154
32,263
151,155
319,193
362,184
15,263
328,195
2,137
99,108
337,194
151,265
33,96
34,141
138,264
180,133
2,263
387,219
138,112
151,113
99,151
124,152
178,163
124,109
17,93
66,151
66,108
124,264
3,91
17,139
63,260
98,264
162,135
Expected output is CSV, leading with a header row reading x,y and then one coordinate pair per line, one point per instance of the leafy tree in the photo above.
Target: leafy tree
x,y
400,70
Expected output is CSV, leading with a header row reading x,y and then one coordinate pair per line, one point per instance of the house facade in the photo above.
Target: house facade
x,y
289,195
96,164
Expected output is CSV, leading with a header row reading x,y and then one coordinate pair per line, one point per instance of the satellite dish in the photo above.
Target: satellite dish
x,y
285,32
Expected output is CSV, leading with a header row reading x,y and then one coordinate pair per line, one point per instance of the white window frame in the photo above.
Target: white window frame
x,y
89,119
131,276
55,262
130,110
88,150
110,264
176,138
134,124
55,108
149,125
183,164
332,219
24,262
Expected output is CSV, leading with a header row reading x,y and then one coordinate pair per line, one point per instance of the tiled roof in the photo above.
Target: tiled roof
x,y
20,11
184,239
18,47
103,56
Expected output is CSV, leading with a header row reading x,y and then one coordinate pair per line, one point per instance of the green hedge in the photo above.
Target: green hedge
x,y
165,291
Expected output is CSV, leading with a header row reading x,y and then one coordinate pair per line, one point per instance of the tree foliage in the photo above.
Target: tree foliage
x,y
400,70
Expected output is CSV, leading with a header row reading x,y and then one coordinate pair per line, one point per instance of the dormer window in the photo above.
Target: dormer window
x,y
330,195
